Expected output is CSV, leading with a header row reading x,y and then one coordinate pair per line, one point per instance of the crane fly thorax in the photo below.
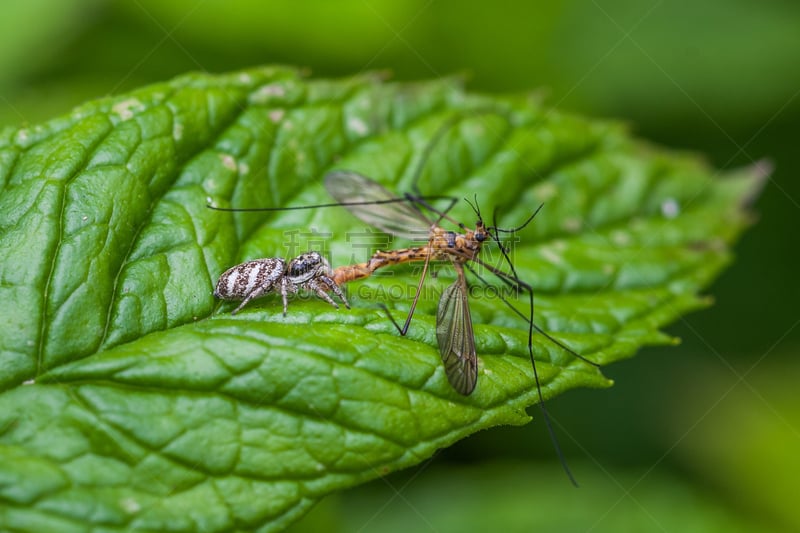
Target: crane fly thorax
x,y
460,247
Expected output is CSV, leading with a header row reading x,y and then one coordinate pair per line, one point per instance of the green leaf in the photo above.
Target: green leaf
x,y
133,400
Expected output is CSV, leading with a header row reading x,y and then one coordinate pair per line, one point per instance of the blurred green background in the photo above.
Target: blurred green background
x,y
702,437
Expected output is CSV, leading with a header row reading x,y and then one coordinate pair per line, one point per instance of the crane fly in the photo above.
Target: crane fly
x,y
376,206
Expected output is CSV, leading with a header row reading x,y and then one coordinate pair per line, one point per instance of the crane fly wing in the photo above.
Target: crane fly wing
x,y
455,336
377,206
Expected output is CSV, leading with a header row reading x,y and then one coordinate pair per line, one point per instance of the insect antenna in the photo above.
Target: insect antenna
x,y
520,227
474,205
494,232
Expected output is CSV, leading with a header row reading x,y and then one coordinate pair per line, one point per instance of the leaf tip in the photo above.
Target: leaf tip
x,y
705,301
758,174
